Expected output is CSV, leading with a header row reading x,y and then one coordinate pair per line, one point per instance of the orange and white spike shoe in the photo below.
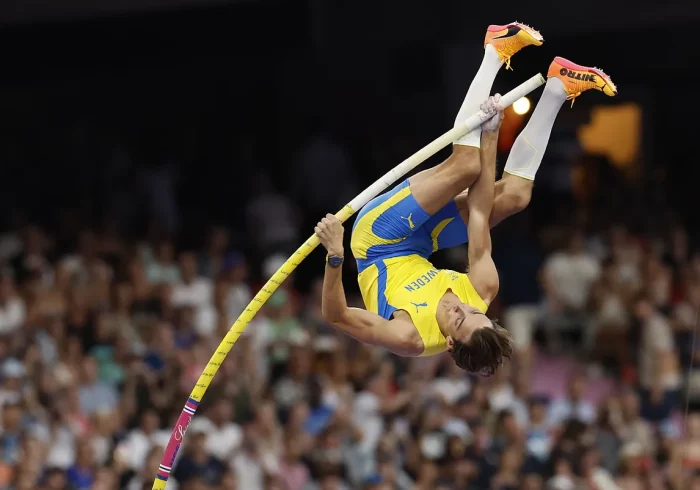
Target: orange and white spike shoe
x,y
577,79
511,38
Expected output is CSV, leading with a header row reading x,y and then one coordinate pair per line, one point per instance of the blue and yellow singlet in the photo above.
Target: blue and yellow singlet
x,y
392,239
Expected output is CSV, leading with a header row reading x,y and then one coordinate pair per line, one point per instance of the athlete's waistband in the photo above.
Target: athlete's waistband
x,y
363,264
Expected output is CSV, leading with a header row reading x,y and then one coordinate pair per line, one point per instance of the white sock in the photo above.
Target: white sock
x,y
478,92
526,155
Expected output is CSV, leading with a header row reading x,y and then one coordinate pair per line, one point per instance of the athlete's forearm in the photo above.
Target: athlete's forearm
x,y
334,306
483,190
481,196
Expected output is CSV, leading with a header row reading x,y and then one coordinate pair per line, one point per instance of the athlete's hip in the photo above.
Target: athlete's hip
x,y
394,225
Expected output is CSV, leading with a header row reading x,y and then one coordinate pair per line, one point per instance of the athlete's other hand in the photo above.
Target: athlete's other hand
x,y
493,107
330,232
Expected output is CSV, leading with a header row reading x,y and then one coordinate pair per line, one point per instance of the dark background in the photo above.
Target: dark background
x,y
192,83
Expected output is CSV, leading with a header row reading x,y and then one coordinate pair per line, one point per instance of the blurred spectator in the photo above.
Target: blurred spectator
x,y
238,295
95,394
223,435
30,261
633,430
197,463
196,292
608,441
272,218
12,309
293,472
247,463
82,474
567,279
574,406
659,376
160,264
539,436
137,444
609,330
211,260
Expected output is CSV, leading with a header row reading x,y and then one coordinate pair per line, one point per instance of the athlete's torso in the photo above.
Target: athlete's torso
x,y
412,284
392,239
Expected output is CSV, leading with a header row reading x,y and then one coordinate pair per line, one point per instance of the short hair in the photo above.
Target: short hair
x,y
485,351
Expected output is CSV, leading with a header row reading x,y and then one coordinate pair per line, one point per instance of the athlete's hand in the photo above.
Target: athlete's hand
x,y
330,232
492,106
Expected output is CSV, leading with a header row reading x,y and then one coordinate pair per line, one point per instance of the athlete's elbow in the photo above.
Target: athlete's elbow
x,y
491,287
332,313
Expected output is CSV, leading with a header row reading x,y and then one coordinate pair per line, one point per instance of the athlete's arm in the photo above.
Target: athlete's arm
x,y
482,270
360,324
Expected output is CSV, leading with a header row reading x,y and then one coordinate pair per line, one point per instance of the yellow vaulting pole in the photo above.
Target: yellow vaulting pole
x,y
183,422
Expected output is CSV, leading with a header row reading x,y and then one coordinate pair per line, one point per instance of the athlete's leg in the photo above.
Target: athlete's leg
x,y
513,191
436,187
384,223
512,195
405,209
566,81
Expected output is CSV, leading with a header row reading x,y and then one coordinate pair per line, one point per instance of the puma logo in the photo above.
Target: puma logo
x,y
410,221
418,305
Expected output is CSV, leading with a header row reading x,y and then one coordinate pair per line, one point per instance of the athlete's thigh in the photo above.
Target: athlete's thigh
x,y
507,198
446,228
387,224
435,187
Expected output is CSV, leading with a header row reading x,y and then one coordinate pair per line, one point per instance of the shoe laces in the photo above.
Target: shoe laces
x,y
507,62
507,49
509,46
572,97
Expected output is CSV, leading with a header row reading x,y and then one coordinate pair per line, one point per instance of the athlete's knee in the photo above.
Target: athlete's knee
x,y
518,192
465,165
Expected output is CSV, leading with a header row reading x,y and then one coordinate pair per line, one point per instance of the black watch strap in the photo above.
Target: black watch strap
x,y
334,260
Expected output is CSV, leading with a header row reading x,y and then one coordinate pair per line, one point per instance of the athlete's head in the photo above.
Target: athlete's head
x,y
476,343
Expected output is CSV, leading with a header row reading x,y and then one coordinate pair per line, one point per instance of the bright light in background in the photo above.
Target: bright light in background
x,y
521,106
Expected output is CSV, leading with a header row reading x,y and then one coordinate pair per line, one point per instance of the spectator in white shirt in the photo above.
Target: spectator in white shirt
x,y
567,280
196,292
12,374
137,445
659,374
224,436
12,310
161,268
657,363
452,385
568,276
574,405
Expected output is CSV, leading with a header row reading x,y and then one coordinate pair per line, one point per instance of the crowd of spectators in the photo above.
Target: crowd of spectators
x,y
102,338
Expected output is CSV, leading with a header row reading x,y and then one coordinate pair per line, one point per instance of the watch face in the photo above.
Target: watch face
x,y
335,261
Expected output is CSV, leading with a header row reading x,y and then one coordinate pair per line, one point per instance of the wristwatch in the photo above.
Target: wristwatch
x,y
334,260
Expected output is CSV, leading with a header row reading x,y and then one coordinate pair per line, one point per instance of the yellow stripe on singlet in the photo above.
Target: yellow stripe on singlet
x,y
361,242
437,230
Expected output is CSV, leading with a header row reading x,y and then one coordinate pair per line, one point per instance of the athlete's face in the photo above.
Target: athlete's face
x,y
461,320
